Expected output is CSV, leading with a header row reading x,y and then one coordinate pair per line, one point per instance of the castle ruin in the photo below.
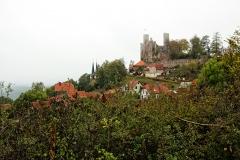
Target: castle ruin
x,y
151,52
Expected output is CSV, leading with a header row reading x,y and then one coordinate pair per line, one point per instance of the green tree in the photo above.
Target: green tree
x,y
4,93
196,49
205,43
36,93
216,45
50,91
232,59
192,65
212,74
175,49
184,45
111,73
37,86
83,82
75,83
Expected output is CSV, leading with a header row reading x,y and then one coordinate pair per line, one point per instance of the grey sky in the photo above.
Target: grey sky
x,y
52,40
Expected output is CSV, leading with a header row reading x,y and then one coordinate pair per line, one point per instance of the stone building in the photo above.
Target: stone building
x,y
151,52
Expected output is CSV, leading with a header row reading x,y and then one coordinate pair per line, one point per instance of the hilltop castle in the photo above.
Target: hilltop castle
x,y
151,52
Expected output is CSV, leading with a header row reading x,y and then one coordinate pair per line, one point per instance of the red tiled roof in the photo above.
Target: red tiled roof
x,y
156,89
40,104
111,91
158,66
6,106
65,86
93,95
81,94
194,82
139,64
132,83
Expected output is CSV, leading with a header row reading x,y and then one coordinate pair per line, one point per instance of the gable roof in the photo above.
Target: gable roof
x,y
81,94
65,86
156,89
139,64
158,66
184,84
132,83
111,91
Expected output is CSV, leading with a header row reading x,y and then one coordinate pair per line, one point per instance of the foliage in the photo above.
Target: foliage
x,y
37,86
212,74
5,91
203,124
83,82
50,91
196,49
193,65
224,70
174,49
179,49
181,127
216,45
110,73
184,45
36,93
75,83
205,43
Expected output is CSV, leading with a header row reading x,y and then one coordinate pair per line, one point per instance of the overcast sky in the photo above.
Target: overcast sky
x,y
52,40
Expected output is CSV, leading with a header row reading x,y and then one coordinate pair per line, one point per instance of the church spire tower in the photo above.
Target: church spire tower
x,y
92,68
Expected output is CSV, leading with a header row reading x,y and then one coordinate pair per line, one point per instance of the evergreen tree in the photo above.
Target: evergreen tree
x,y
216,45
205,43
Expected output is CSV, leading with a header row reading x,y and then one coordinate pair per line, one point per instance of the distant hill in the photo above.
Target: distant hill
x,y
17,90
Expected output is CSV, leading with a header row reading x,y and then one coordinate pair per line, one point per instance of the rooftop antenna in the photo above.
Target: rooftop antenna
x,y
145,30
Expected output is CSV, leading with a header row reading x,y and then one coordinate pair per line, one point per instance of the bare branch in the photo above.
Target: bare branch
x,y
201,124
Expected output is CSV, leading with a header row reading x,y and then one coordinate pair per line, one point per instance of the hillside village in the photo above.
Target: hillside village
x,y
158,69
154,109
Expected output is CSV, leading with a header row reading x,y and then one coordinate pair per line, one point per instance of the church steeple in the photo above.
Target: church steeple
x,y
96,66
92,68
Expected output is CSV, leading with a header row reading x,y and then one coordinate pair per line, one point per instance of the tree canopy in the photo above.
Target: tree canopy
x,y
196,49
110,74
216,45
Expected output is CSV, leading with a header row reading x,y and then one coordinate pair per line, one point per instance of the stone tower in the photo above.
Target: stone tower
x,y
151,52
145,38
166,39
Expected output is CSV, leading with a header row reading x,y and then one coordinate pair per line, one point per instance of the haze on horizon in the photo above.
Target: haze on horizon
x,y
53,40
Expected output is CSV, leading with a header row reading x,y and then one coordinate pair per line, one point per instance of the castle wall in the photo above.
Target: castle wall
x,y
180,62
151,52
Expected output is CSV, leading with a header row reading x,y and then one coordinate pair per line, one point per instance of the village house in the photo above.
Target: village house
x,y
133,86
187,87
154,90
65,88
154,70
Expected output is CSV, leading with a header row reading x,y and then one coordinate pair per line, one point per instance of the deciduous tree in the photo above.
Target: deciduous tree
x,y
196,49
83,82
175,49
